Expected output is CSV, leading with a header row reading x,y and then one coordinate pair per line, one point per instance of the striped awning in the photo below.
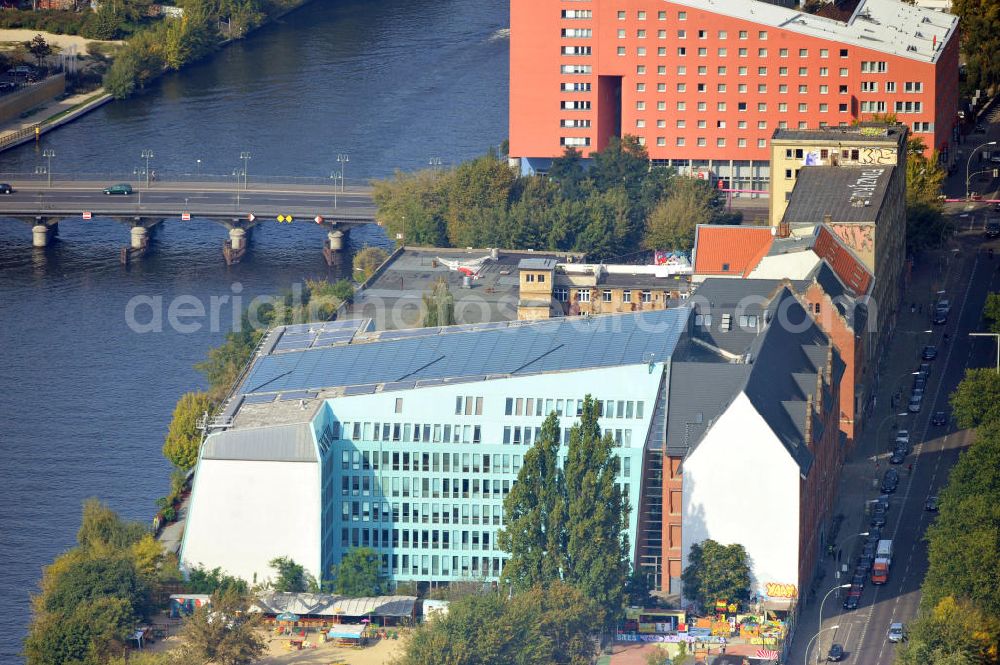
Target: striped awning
x,y
767,654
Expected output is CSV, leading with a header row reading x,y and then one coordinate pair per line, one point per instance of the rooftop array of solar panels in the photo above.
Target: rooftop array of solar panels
x,y
402,359
311,335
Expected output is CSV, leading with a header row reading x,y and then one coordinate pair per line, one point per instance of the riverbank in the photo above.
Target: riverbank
x,y
67,44
49,116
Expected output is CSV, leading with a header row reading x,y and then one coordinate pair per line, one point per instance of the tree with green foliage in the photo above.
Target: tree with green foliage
x,y
367,261
224,632
225,362
291,576
553,625
413,205
101,529
953,632
439,306
90,633
203,580
991,311
567,172
597,548
183,440
976,400
534,531
624,162
926,225
39,49
962,553
103,577
716,572
479,187
359,573
980,21
672,223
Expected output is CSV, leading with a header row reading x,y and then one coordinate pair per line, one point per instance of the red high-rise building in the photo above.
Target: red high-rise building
x,y
704,83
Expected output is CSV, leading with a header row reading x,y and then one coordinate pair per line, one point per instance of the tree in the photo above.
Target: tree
x,y
439,306
89,633
291,576
93,579
102,531
413,206
954,631
183,441
477,188
359,573
39,48
202,580
567,172
226,361
716,572
672,223
991,311
963,558
224,632
553,625
623,162
980,21
597,549
976,400
367,261
534,531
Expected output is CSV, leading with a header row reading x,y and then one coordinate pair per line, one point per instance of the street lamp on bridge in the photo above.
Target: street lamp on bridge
x,y
342,159
48,154
245,156
237,174
147,155
434,162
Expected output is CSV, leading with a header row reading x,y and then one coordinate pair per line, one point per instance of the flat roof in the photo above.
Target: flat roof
x,y
537,264
862,133
405,359
845,193
888,26
394,299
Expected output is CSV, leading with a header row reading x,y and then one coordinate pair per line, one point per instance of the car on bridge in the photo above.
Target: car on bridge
x,y
836,654
897,632
931,505
121,189
940,419
929,352
5,188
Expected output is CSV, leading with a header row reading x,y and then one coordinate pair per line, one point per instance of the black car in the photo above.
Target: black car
x,y
890,483
851,602
932,504
925,369
992,229
898,456
878,521
5,188
939,419
869,552
836,653
863,564
920,381
929,353
940,318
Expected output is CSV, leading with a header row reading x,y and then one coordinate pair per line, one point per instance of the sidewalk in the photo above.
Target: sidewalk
x,y
50,115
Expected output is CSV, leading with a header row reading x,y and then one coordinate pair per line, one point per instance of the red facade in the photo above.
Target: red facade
x,y
698,85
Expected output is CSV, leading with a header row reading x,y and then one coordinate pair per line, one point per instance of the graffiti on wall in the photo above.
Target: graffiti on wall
x,y
860,238
877,156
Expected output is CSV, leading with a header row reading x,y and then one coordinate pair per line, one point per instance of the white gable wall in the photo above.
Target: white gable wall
x,y
245,513
742,486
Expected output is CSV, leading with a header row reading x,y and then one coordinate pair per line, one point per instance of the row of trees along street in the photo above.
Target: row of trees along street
x,y
959,618
608,209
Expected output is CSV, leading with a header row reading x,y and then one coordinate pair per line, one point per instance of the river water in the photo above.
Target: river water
x,y
85,399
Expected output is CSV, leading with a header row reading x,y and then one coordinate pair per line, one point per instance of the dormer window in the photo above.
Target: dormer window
x,y
725,267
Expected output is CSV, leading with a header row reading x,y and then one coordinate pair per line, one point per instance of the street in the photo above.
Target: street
x,y
963,273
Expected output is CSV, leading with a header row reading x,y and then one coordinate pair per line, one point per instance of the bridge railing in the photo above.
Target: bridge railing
x,y
109,177
19,135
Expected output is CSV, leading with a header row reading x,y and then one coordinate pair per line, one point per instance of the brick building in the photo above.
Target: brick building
x,y
705,85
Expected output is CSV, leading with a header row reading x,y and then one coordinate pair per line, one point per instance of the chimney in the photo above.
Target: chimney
x,y
784,230
828,219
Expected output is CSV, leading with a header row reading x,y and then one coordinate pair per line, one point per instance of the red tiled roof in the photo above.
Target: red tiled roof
x,y
730,250
849,268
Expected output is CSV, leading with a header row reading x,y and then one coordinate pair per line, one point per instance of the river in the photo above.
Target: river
x,y
84,399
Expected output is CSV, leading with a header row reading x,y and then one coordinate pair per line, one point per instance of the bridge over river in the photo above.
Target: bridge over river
x,y
239,206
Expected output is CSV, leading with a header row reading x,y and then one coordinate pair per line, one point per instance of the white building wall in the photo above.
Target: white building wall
x,y
245,513
742,486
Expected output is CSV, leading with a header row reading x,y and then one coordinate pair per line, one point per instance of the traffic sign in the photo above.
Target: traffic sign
x,y
185,217
86,215
318,219
251,217
284,218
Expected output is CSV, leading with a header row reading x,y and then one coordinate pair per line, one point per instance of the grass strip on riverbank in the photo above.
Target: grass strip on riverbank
x,y
73,109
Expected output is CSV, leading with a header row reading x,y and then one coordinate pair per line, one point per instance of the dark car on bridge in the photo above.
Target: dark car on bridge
x,y
851,602
940,419
890,481
929,353
836,654
121,189
5,188
931,505
898,456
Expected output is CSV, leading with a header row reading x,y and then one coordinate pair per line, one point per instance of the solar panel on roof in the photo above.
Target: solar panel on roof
x,y
296,394
360,390
403,334
259,399
399,385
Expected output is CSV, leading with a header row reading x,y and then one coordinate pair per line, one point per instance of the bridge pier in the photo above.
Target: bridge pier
x,y
333,246
235,247
142,228
43,231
